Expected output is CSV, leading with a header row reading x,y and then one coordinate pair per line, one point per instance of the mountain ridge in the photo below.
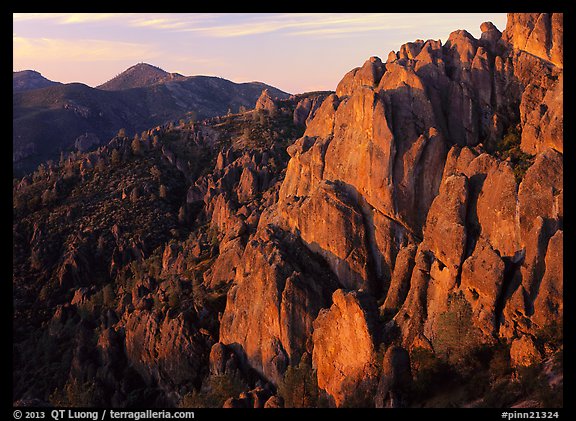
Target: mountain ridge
x,y
25,80
49,120
138,76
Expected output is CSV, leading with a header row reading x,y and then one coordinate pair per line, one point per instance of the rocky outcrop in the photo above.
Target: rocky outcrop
x,y
537,42
164,350
410,188
523,352
367,75
396,379
539,216
223,270
266,102
549,304
274,402
73,270
481,280
344,346
539,34
273,302
86,141
306,108
400,282
384,139
331,225
445,231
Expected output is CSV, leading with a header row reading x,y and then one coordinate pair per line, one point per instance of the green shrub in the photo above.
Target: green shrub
x,y
533,381
77,395
361,396
502,394
299,388
456,336
551,335
509,148
214,392
499,365
193,399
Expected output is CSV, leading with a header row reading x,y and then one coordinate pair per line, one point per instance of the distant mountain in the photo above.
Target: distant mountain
x,y
27,80
49,120
138,76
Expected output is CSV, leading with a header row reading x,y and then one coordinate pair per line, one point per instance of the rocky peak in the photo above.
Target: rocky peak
x,y
368,75
266,102
139,75
539,34
411,49
490,36
26,80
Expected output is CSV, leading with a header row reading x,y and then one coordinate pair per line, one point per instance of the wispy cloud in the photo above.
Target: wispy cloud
x,y
71,18
226,25
157,23
175,21
305,24
81,50
135,20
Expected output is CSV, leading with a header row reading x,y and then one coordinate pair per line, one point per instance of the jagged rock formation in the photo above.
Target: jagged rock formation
x,y
345,247
399,183
344,346
274,329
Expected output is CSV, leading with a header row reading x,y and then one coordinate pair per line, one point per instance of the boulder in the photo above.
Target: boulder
x,y
523,352
274,402
396,379
344,352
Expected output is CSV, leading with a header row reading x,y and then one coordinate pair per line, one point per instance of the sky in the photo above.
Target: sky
x,y
295,52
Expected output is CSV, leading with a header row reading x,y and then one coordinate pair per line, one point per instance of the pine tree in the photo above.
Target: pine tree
x,y
182,215
155,142
136,146
134,195
299,388
115,157
163,191
100,165
155,172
